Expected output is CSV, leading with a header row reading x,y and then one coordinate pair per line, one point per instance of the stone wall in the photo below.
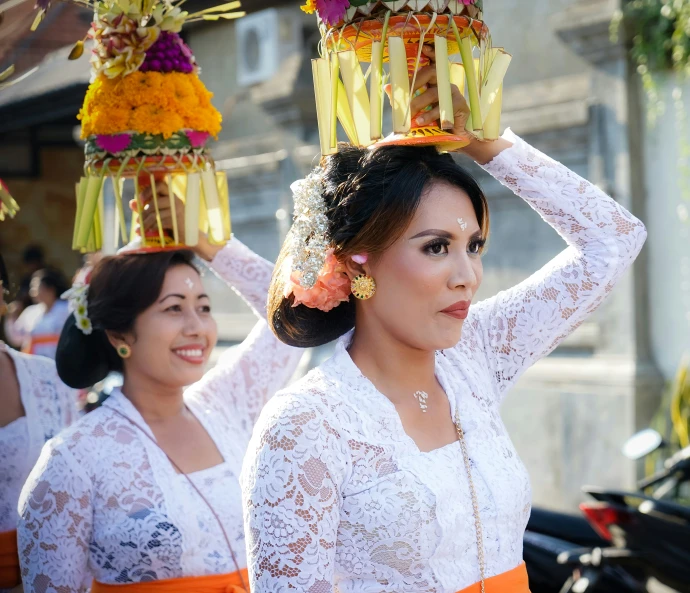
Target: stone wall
x,y
47,210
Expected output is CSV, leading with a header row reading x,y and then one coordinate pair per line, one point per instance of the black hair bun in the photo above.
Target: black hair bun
x,y
316,327
81,360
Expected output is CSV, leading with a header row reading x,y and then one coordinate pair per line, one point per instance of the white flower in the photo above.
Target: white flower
x,y
79,306
84,324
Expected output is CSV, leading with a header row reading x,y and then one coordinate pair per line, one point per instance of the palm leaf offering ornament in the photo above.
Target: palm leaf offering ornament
x,y
8,205
147,117
359,36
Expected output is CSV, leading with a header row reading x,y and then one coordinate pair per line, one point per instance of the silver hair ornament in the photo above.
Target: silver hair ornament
x,y
309,234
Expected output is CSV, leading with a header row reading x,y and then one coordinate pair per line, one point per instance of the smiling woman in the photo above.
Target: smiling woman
x,y
144,489
137,299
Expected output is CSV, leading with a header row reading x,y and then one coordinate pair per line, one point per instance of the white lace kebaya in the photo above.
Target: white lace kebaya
x,y
105,503
49,406
337,496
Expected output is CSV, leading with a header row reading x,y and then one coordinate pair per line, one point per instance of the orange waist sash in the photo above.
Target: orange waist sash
x,y
44,340
513,581
216,583
10,575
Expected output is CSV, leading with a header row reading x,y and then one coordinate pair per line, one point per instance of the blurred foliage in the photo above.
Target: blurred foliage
x,y
660,35
672,420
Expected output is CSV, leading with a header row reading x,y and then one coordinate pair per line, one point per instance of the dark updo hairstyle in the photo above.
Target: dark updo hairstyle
x,y
121,288
53,279
371,197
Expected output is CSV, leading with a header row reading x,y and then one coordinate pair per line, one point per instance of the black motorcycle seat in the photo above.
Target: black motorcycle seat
x,y
564,526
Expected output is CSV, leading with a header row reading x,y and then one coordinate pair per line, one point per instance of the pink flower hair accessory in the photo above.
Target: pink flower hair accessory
x,y
331,288
360,258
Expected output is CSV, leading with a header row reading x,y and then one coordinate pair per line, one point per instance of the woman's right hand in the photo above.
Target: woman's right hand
x,y
169,206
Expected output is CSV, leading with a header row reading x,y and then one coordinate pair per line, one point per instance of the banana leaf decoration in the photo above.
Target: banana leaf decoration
x,y
8,206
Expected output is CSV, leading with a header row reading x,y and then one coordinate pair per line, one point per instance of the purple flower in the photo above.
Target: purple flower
x,y
332,11
113,144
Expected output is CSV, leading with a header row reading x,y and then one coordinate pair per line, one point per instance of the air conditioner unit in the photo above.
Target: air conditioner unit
x,y
264,40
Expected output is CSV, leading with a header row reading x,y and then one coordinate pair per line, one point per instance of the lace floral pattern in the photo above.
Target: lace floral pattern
x,y
339,498
105,503
50,406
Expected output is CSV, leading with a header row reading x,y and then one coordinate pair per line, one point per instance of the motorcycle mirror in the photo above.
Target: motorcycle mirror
x,y
641,444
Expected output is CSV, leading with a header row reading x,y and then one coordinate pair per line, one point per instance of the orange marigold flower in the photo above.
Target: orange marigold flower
x,y
149,102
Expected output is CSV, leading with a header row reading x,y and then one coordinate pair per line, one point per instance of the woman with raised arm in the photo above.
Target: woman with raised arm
x,y
142,494
388,468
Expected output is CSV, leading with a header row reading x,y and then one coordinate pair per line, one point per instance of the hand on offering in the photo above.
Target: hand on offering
x,y
425,105
169,206
425,109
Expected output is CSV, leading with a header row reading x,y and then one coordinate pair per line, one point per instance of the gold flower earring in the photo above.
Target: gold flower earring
x,y
124,351
363,287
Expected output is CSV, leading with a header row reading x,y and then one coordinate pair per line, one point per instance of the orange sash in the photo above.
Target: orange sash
x,y
216,583
513,581
44,340
10,575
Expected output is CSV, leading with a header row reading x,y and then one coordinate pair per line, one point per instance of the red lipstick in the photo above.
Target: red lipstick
x,y
458,310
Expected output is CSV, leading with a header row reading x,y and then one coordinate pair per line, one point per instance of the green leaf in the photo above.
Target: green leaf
x,y
227,7
77,51
37,21
7,73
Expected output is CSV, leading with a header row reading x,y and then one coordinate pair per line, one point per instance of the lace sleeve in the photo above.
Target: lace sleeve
x,y
54,528
291,484
248,375
247,273
520,325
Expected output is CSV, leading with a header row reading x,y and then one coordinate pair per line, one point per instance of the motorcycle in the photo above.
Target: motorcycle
x,y
551,534
648,536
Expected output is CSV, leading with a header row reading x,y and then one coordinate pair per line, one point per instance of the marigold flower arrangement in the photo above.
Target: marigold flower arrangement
x,y
148,117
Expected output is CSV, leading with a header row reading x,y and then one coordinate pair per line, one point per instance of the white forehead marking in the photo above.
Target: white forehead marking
x,y
462,223
189,282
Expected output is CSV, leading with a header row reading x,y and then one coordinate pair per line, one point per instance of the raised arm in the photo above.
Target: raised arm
x,y
247,273
520,325
54,529
291,490
248,375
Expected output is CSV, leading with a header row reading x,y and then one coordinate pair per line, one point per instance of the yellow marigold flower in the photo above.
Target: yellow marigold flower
x,y
309,7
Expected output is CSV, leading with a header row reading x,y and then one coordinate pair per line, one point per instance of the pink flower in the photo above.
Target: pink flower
x,y
332,11
197,138
113,144
332,287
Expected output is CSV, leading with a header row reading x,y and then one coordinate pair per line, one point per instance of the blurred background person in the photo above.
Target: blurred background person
x,y
37,329
33,260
